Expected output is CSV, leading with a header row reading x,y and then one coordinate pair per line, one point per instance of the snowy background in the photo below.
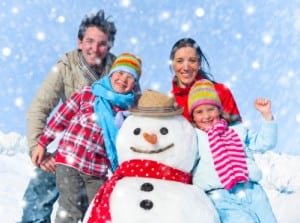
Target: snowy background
x,y
252,46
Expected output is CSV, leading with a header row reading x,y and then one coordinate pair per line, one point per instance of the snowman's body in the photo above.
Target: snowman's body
x,y
167,201
170,141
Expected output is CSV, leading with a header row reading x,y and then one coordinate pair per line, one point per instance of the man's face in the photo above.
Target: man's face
x,y
94,46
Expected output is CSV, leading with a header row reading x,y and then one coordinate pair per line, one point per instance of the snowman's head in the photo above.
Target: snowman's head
x,y
170,140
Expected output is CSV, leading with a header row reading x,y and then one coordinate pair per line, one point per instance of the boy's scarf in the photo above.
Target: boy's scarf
x,y
133,168
228,155
105,98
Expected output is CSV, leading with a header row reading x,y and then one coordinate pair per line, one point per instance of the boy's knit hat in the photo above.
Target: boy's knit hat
x,y
203,92
129,63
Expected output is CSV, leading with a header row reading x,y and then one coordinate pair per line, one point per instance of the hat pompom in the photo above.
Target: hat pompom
x,y
129,63
203,92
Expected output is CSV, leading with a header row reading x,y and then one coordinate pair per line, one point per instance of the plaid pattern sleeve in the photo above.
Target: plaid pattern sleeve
x,y
82,145
60,120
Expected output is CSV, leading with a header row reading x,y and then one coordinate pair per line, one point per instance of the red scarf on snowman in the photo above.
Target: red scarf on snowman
x,y
134,168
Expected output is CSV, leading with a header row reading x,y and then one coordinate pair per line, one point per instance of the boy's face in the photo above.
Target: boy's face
x,y
205,116
122,82
94,46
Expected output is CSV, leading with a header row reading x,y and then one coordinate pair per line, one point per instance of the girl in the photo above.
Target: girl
x,y
227,171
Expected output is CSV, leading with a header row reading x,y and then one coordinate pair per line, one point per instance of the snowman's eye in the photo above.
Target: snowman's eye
x,y
137,131
164,131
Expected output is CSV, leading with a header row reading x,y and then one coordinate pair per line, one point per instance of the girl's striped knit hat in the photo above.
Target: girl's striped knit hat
x,y
129,63
203,92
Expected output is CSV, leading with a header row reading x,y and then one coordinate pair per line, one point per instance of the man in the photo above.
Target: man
x,y
83,66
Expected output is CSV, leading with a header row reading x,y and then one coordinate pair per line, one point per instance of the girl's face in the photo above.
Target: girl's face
x,y
186,65
122,82
205,116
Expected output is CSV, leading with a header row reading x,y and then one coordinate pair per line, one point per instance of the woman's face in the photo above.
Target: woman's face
x,y
205,116
122,82
186,65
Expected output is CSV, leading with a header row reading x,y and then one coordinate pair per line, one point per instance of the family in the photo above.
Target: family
x,y
89,89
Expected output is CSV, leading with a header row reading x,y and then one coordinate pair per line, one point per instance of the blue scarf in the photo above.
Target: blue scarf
x,y
105,98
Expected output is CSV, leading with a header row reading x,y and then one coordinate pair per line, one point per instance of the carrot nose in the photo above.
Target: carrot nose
x,y
151,138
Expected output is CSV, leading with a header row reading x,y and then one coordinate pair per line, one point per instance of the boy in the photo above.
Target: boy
x,y
87,148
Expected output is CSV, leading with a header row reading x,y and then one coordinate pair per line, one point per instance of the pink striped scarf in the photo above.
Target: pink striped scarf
x,y
228,155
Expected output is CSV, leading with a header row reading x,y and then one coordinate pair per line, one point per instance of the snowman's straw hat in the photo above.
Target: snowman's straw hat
x,y
154,103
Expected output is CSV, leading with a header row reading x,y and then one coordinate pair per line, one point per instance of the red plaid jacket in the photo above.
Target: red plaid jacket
x,y
82,144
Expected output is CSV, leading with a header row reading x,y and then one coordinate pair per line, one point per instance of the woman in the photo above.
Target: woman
x,y
187,61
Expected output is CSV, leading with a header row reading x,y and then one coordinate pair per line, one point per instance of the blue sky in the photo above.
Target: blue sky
x,y
253,46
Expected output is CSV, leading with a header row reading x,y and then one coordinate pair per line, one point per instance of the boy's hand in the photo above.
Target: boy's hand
x,y
45,161
48,163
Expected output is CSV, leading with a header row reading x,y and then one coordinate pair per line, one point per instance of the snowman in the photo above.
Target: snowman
x,y
156,149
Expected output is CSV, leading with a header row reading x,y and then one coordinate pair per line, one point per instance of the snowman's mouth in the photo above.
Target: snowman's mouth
x,y
152,151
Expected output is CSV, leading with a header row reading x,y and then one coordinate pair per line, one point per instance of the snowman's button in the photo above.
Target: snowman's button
x,y
147,187
146,204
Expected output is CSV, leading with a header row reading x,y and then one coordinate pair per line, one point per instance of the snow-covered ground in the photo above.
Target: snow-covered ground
x,y
281,180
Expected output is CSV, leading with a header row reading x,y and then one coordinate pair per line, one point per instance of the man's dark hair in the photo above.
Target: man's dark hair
x,y
98,20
